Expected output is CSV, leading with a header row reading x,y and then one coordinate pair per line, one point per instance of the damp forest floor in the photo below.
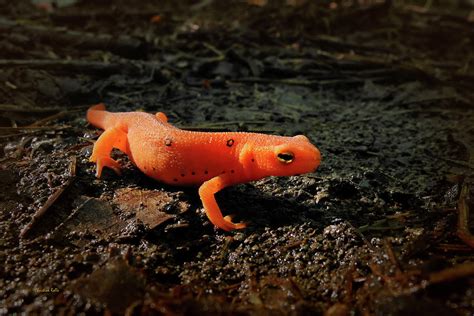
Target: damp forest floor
x,y
384,90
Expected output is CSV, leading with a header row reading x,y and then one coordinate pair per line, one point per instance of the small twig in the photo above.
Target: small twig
x,y
81,66
464,201
463,220
103,14
34,128
216,51
73,213
454,248
295,288
343,45
377,226
452,274
293,245
73,167
348,281
391,255
48,119
460,163
13,135
310,83
22,109
121,96
120,44
54,117
359,233
390,114
399,275
291,82
51,200
29,109
375,268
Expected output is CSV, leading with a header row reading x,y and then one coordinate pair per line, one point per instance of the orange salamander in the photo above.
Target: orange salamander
x,y
211,160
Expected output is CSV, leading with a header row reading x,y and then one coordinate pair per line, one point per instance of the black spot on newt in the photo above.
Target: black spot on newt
x,y
230,142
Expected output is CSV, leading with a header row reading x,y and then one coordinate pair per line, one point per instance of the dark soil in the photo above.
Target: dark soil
x,y
385,91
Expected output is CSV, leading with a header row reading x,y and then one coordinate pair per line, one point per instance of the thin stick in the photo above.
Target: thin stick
x,y
463,220
451,274
34,128
48,119
73,213
81,66
51,200
122,44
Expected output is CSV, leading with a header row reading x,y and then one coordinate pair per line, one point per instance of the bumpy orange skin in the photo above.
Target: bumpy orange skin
x,y
211,160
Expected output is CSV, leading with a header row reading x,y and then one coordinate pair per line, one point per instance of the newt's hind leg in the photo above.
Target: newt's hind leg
x,y
110,138
213,212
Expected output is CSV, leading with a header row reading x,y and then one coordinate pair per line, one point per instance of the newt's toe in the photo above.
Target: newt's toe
x,y
233,226
106,162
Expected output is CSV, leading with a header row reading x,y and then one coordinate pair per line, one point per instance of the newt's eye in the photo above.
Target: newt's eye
x,y
286,157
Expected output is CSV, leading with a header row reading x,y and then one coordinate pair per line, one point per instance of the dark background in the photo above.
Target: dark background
x,y
384,89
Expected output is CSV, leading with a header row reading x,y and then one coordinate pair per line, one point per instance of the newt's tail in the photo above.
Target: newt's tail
x,y
97,115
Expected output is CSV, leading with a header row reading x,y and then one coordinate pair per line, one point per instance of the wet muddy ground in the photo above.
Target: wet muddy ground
x,y
385,92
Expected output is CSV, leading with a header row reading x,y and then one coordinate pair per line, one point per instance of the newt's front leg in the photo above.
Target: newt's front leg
x,y
110,138
213,212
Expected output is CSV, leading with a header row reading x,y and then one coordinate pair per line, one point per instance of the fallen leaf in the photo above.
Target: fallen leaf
x,y
152,207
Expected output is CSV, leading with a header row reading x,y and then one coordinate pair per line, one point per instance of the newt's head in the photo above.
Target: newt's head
x,y
286,156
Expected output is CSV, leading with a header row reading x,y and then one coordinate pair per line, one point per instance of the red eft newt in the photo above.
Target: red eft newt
x,y
211,160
